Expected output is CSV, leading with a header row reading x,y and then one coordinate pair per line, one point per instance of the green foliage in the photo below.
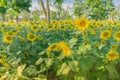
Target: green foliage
x,y
93,9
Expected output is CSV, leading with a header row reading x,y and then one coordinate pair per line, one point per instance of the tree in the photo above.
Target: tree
x,y
3,8
58,5
95,9
47,10
78,7
20,5
16,5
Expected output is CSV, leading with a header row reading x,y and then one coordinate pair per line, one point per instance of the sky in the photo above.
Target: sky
x,y
66,3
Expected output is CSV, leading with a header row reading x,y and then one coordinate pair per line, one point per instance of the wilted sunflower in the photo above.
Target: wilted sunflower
x,y
59,46
52,47
105,34
7,39
82,24
112,55
65,49
31,37
117,36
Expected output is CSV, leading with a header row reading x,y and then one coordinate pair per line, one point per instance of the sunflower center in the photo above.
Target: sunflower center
x,y
105,34
118,35
34,27
112,55
8,38
31,36
82,23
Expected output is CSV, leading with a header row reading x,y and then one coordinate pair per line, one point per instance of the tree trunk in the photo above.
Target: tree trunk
x,y
43,7
48,12
17,19
3,17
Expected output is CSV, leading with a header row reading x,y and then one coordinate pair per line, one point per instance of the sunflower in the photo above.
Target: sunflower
x,y
112,55
52,47
41,27
34,28
59,46
65,49
117,36
60,22
105,35
39,37
31,37
53,21
113,47
82,24
103,42
7,39
62,27
49,27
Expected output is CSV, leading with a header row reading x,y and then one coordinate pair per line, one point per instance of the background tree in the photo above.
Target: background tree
x,y
3,8
78,7
15,5
58,5
46,9
94,9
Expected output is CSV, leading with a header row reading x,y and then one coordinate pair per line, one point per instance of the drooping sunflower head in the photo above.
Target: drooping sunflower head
x,y
53,47
61,46
112,55
105,35
117,36
82,23
31,37
65,49
7,39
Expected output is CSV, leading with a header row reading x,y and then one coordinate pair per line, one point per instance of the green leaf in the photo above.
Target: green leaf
x,y
63,70
49,62
79,78
74,65
112,73
72,42
41,77
19,52
84,48
39,61
20,69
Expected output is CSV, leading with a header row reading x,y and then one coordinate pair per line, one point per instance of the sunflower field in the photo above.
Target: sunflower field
x,y
81,48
